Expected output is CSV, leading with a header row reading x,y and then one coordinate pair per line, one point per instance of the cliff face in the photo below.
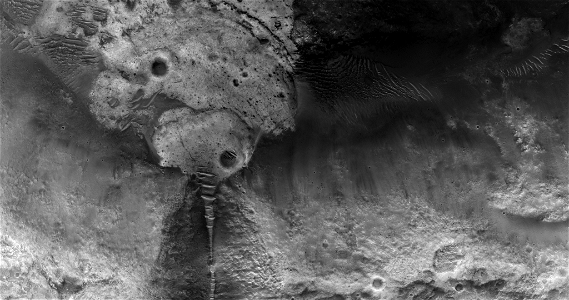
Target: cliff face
x,y
377,150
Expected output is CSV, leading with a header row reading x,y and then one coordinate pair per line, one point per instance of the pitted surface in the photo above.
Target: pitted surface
x,y
186,140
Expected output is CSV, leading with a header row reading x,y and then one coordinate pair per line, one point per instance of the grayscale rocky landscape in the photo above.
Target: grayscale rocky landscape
x,y
341,149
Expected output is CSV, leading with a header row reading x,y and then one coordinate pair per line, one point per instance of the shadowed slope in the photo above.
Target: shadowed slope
x,y
538,45
353,91
538,63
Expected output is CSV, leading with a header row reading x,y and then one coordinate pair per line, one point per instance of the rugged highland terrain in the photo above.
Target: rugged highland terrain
x,y
365,149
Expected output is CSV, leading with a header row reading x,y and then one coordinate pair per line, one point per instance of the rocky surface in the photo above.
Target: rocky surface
x,y
78,215
132,61
107,106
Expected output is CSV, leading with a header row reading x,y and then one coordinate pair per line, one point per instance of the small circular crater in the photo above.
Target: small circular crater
x,y
458,287
235,82
377,283
159,67
228,159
